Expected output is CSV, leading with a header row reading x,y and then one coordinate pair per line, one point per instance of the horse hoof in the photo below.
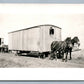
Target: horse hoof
x,y
56,59
70,59
51,58
65,60
62,60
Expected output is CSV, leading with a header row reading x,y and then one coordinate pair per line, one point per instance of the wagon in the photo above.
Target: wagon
x,y
1,44
36,40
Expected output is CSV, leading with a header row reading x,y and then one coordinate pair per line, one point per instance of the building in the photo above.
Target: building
x,y
37,38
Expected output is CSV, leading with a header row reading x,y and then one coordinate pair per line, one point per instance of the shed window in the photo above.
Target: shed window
x,y
51,32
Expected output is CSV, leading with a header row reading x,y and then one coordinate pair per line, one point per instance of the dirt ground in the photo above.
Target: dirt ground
x,y
9,60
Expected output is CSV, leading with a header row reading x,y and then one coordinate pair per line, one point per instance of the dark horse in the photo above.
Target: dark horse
x,y
61,47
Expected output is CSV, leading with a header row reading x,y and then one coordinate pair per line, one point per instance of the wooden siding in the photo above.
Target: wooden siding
x,y
47,39
27,40
34,39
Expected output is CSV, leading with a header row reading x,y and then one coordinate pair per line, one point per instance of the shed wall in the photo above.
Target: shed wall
x,y
34,39
47,39
27,40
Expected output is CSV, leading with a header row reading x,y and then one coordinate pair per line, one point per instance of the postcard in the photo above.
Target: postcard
x,y
45,40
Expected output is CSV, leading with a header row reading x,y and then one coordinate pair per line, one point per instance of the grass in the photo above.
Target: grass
x,y
9,60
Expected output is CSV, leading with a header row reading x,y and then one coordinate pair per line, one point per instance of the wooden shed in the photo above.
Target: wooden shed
x,y
37,38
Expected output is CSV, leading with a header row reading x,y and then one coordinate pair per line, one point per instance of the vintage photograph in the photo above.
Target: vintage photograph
x,y
41,36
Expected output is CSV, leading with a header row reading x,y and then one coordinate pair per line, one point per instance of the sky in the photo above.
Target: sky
x,y
70,17
42,82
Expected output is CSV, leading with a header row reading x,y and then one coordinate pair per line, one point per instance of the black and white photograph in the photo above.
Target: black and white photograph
x,y
42,36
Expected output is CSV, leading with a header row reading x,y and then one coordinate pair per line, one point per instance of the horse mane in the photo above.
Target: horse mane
x,y
68,40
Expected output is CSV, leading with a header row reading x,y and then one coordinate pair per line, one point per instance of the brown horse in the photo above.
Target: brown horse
x,y
61,47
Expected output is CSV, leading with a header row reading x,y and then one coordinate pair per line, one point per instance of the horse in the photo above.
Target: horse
x,y
61,47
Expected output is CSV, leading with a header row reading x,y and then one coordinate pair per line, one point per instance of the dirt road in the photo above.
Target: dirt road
x,y
9,60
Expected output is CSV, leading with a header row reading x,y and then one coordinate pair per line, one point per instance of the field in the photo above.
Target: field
x,y
9,60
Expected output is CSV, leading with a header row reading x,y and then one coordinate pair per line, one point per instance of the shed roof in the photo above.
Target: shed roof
x,y
36,27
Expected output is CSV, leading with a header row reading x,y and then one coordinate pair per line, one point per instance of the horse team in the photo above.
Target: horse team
x,y
59,48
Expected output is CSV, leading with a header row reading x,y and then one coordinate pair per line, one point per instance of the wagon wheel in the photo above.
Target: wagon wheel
x,y
18,53
44,55
49,56
10,51
39,55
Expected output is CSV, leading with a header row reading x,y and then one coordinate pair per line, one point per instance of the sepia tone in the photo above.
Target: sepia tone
x,y
37,38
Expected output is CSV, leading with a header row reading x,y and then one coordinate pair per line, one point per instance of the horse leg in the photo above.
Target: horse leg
x,y
66,56
59,54
55,54
70,54
62,56
51,56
